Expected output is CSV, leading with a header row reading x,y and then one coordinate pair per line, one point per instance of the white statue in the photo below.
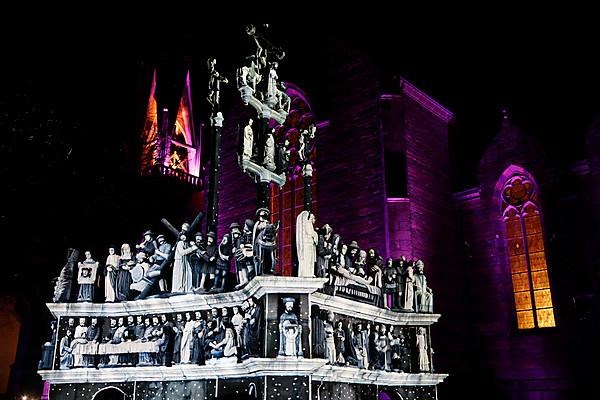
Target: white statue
x,y
272,82
306,244
110,279
422,349
182,271
423,293
290,331
409,288
269,161
248,140
87,278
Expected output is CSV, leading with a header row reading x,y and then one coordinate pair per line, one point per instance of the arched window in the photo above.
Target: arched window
x,y
522,219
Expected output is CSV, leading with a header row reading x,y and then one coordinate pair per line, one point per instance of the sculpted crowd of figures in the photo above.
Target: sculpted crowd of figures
x,y
203,265
195,264
165,339
401,284
370,345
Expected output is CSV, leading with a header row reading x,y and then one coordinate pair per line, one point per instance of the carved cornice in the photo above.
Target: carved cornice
x,y
257,287
256,367
340,305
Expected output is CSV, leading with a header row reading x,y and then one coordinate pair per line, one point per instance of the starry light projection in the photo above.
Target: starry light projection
x,y
99,391
287,388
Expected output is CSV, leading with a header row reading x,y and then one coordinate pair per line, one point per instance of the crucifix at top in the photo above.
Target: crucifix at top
x,y
260,87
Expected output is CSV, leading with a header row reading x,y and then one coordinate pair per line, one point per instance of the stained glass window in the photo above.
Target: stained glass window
x,y
526,253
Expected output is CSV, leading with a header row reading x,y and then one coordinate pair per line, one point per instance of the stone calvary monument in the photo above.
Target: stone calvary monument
x,y
172,325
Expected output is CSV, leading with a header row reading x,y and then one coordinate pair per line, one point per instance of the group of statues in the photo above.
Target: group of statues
x,y
369,345
274,157
322,253
198,265
259,74
153,340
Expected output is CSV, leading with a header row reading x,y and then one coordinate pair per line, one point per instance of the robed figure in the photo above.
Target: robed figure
x,y
290,331
110,279
306,244
182,270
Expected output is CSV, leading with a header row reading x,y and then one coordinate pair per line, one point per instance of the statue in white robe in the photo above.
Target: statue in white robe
x,y
182,270
306,244
187,339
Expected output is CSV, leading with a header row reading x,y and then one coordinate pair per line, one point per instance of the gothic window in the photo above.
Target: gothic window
x,y
522,220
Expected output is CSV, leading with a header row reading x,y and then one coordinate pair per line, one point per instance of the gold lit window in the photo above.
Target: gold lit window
x,y
526,254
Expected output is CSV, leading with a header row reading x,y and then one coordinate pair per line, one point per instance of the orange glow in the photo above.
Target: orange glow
x,y
526,254
150,150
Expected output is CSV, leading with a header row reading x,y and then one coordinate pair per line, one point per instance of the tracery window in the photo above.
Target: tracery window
x,y
524,232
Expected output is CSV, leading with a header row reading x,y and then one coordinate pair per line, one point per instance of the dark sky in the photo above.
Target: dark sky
x,y
544,72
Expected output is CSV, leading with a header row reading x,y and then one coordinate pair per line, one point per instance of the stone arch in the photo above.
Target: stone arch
x,y
109,393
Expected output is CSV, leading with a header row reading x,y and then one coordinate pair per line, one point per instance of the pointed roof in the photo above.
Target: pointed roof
x,y
423,99
511,146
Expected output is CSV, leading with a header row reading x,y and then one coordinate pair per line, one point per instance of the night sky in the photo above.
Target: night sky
x,y
70,96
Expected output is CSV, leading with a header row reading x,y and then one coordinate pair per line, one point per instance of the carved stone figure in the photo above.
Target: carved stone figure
x,y
238,255
93,334
423,293
226,347
290,331
374,266
422,349
340,343
282,161
306,244
358,341
198,259
409,285
65,351
110,278
237,321
198,344
384,349
269,156
186,340
372,347
306,136
323,250
253,316
167,341
178,329
182,271
62,288
139,271
223,263
248,141
214,83
210,260
283,100
86,278
79,338
48,349
245,254
390,287
160,255
124,277
329,345
265,242
149,245
272,84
